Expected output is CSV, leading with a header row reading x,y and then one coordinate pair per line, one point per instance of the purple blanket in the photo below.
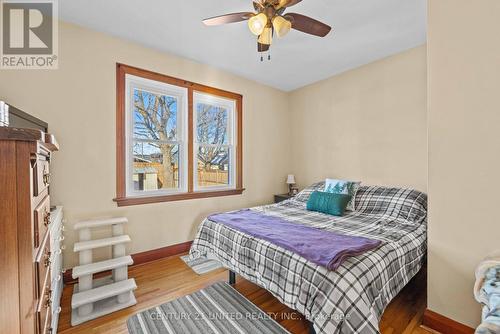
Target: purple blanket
x,y
324,248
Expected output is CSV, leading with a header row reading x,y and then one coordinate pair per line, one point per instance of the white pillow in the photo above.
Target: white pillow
x,y
343,187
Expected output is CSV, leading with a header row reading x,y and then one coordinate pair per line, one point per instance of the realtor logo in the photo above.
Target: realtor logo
x,y
29,34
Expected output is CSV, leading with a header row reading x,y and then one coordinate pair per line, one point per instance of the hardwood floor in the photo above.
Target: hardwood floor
x,y
168,279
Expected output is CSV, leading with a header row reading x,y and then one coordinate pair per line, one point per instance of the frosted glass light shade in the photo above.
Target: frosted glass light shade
x,y
266,37
281,25
257,23
282,3
290,179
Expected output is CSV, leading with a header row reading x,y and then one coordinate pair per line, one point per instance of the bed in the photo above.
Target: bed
x,y
352,298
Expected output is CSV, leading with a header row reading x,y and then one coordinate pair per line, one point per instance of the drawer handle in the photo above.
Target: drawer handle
x,y
48,302
59,277
46,218
63,247
46,178
59,309
47,261
61,238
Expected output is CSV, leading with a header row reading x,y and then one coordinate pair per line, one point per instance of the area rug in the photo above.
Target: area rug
x,y
216,309
201,265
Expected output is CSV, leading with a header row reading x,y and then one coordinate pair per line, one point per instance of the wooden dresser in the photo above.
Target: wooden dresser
x,y
26,240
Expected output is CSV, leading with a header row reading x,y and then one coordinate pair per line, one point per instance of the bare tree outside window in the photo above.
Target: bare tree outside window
x,y
213,149
156,147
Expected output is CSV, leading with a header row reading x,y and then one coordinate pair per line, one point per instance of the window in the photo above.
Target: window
x,y
176,140
156,137
214,142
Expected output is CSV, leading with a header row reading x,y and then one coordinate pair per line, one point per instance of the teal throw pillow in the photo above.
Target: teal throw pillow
x,y
329,203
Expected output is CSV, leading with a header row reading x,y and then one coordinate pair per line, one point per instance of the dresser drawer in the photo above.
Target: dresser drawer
x,y
41,176
48,323
41,219
57,239
45,322
56,263
42,269
57,288
44,307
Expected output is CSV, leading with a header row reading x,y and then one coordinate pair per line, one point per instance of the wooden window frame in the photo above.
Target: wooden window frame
x,y
121,142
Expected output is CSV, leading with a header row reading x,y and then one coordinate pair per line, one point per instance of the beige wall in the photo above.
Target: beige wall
x,y
464,149
367,124
78,101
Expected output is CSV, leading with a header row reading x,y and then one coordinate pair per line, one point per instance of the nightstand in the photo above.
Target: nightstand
x,y
281,197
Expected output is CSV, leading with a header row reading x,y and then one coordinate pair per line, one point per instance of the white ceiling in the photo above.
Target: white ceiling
x,y
363,31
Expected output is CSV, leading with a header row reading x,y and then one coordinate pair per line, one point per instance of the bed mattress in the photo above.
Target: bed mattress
x,y
352,298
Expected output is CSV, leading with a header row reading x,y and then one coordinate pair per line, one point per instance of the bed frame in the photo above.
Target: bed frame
x,y
232,282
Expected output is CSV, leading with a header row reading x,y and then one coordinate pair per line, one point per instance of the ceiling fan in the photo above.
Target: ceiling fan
x,y
270,18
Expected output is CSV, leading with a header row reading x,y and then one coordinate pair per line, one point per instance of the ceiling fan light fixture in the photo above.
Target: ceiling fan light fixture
x,y
270,17
257,24
282,3
266,37
281,25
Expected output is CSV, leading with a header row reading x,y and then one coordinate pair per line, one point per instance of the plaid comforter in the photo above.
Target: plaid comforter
x,y
352,298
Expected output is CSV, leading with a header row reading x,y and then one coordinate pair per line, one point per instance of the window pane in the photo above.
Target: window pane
x,y
213,166
155,116
156,166
211,124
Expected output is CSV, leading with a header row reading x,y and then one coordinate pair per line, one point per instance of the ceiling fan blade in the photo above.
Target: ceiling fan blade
x,y
262,47
228,18
288,3
308,25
